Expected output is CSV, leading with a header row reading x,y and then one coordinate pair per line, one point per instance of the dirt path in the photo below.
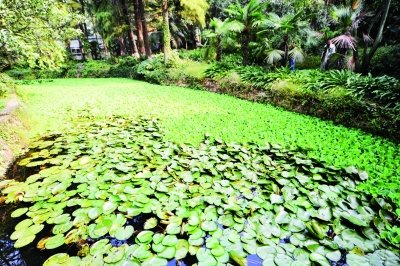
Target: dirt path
x,y
11,105
8,120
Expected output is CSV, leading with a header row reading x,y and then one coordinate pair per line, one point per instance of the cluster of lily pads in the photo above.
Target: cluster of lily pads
x,y
216,204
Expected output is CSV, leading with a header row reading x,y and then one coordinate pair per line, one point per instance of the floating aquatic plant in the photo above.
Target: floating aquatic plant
x,y
219,202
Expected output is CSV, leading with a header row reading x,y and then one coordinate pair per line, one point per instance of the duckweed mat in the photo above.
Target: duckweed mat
x,y
116,193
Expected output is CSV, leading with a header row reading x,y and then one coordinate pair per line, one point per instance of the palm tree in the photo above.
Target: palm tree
x,y
347,19
290,29
217,32
245,21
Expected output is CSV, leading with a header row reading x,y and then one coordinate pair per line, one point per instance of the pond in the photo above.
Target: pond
x,y
116,193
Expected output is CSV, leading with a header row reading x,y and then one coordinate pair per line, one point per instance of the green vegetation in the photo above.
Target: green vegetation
x,y
219,202
7,85
123,172
366,102
186,115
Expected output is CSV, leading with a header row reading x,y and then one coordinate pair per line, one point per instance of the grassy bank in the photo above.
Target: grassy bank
x,y
186,115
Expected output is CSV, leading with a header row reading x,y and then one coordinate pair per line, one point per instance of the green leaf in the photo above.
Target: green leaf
x,y
145,237
205,257
150,223
155,261
167,253
319,259
124,233
109,207
19,212
209,226
23,241
356,260
170,240
114,255
334,255
283,260
57,259
194,219
55,241
100,247
23,224
173,229
93,213
182,248
62,228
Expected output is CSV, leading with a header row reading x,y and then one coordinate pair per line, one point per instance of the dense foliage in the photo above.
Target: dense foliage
x,y
113,190
219,202
34,32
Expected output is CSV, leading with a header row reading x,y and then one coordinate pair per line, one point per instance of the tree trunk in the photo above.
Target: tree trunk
x,y
145,30
286,51
139,26
134,45
166,32
131,37
122,48
219,48
368,56
245,46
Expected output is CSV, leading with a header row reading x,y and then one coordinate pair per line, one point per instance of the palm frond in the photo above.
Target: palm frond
x,y
297,54
274,56
345,41
367,39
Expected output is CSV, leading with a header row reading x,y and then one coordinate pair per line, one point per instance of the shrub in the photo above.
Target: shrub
x,y
386,61
384,90
153,69
94,69
126,67
6,84
194,55
259,77
21,73
310,62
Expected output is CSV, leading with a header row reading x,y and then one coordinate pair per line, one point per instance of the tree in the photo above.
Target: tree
x,y
144,27
35,32
368,55
245,20
139,26
354,31
347,19
166,32
289,30
131,35
218,31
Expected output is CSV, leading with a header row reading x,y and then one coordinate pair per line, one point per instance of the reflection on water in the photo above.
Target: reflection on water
x,y
254,260
9,256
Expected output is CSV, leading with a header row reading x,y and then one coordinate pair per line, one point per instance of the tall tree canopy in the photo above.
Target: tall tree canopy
x,y
35,32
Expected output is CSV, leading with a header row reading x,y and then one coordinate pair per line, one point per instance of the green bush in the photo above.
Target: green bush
x,y
21,73
221,69
153,69
310,62
260,77
384,90
94,69
194,55
126,67
6,84
386,61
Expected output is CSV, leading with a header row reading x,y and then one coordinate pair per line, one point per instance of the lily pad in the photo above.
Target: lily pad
x,y
150,223
55,241
124,233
